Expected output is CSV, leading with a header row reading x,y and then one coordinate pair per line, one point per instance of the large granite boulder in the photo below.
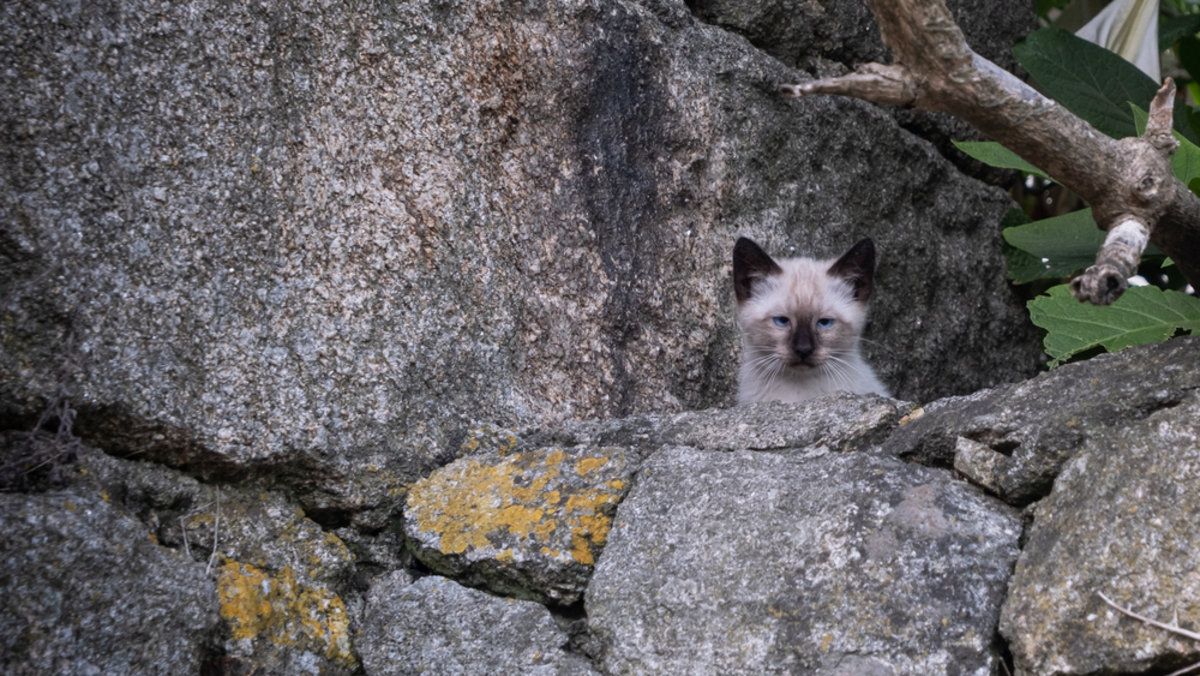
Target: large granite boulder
x,y
296,241
1123,521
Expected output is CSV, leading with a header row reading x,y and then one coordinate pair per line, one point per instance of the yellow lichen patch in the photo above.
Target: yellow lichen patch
x,y
522,502
280,610
588,464
591,531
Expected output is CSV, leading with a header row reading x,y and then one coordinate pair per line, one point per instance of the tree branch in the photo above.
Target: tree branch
x,y
1129,183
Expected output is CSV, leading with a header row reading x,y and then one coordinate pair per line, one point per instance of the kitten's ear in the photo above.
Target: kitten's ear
x,y
750,266
857,266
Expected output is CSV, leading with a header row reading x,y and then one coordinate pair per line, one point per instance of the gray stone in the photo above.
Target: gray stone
x,y
294,241
281,579
436,626
84,589
253,525
1035,427
839,421
1123,520
529,524
813,562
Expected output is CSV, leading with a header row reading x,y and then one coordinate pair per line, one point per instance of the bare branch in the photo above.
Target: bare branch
x,y
216,532
1171,628
1126,181
871,81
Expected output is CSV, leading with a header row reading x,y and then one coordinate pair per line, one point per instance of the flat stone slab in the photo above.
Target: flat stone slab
x,y
1015,439
436,626
840,421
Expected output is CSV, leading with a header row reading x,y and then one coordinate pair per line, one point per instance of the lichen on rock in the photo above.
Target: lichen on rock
x,y
279,616
530,524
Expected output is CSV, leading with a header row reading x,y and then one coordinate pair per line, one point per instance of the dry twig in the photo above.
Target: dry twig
x,y
216,531
1169,627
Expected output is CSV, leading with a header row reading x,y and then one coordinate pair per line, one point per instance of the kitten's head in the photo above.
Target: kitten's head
x,y
801,313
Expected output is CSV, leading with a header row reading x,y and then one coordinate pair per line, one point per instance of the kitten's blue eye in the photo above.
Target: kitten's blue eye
x,y
781,321
825,322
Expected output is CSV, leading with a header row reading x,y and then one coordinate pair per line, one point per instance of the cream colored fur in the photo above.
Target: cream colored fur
x,y
803,292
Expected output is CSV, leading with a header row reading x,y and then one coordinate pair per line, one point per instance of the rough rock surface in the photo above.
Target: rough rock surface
x,y
1123,520
529,524
280,578
436,626
84,589
1019,436
295,240
280,624
839,421
813,562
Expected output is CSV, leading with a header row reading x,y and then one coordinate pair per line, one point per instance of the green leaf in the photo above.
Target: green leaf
x,y
1189,55
1144,314
1089,80
990,152
1066,243
1024,267
1092,82
1172,29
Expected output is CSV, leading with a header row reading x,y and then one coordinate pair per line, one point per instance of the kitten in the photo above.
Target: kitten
x,y
801,319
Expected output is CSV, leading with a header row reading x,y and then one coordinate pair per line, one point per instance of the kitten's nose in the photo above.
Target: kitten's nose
x,y
802,345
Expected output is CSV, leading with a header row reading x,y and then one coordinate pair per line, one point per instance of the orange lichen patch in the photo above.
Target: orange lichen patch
x,y
524,501
588,464
280,610
591,531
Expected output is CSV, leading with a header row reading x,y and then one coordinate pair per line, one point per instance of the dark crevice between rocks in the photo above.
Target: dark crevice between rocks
x,y
330,518
1167,401
1000,646
580,639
